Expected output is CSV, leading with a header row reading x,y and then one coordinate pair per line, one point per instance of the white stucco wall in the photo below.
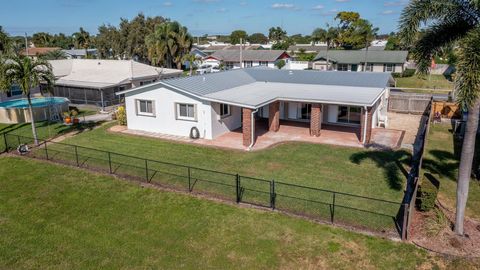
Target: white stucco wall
x,y
226,124
164,119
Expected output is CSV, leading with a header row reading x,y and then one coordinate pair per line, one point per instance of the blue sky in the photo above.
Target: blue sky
x,y
200,16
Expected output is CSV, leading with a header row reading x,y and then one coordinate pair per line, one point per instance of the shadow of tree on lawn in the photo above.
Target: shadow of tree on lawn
x,y
393,163
443,163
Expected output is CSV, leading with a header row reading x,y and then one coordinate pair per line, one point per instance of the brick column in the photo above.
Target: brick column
x,y
368,125
316,119
247,126
274,116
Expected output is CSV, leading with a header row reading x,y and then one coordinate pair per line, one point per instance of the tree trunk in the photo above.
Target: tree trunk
x,y
191,69
465,168
34,130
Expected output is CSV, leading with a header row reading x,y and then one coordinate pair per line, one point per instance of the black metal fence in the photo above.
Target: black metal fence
x,y
370,214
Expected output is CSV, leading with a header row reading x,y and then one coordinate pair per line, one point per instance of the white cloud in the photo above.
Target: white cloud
x,y
167,4
342,1
205,1
318,7
222,10
388,12
283,6
243,3
396,3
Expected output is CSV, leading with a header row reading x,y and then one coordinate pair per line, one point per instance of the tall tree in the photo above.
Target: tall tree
x,y
393,42
28,74
257,38
319,35
82,40
354,31
5,42
276,34
168,44
236,35
449,21
108,42
41,39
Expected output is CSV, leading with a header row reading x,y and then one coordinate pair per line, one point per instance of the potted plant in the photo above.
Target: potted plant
x,y
67,117
74,114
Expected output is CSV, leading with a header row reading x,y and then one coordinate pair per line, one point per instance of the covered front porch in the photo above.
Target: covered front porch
x,y
310,122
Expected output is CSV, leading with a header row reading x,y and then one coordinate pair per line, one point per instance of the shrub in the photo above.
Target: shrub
x,y
409,72
121,115
397,75
427,193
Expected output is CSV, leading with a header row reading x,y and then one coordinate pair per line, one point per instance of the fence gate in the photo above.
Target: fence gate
x,y
408,102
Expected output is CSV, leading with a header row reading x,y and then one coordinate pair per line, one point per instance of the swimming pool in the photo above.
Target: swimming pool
x,y
44,108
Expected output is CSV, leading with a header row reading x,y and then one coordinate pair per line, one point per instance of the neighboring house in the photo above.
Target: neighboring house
x,y
250,58
354,60
34,52
222,102
80,53
306,48
94,81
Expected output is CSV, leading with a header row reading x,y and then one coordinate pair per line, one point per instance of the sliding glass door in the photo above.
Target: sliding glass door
x,y
349,114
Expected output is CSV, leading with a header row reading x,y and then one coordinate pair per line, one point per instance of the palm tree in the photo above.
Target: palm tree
x,y
54,55
191,59
28,74
168,44
82,40
447,22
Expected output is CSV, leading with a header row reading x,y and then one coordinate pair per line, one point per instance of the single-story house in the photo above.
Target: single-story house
x,y
80,53
94,81
34,52
354,60
249,58
217,103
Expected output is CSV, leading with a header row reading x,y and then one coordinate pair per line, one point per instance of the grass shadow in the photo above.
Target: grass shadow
x,y
393,163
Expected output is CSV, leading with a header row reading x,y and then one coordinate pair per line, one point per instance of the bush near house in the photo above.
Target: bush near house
x,y
427,193
121,116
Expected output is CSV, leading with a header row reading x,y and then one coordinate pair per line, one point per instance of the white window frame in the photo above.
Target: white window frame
x,y
342,65
263,63
391,66
248,64
137,107
186,118
229,110
369,67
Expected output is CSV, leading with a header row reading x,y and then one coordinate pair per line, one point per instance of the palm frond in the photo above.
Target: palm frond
x,y
423,11
467,81
438,36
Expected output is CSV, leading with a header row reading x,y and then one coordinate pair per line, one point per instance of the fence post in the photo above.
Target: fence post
x,y
109,162
333,208
5,141
146,170
272,194
406,209
189,180
238,187
46,151
76,156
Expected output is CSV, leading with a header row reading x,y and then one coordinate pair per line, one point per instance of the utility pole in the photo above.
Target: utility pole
x,y
241,56
26,44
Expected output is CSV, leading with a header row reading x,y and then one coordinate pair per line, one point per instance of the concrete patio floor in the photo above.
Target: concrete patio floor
x,y
289,131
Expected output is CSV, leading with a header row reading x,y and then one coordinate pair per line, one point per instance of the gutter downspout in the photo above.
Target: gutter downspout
x,y
252,129
365,125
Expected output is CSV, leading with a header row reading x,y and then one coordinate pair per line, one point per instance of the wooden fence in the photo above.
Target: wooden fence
x,y
446,109
408,102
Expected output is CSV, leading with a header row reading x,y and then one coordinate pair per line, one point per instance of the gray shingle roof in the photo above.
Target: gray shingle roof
x,y
358,56
254,86
248,55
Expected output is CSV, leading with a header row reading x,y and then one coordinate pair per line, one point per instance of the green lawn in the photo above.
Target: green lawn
x,y
441,160
44,129
56,217
433,81
378,174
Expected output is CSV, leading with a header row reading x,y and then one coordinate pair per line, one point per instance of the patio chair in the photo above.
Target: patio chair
x,y
382,120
